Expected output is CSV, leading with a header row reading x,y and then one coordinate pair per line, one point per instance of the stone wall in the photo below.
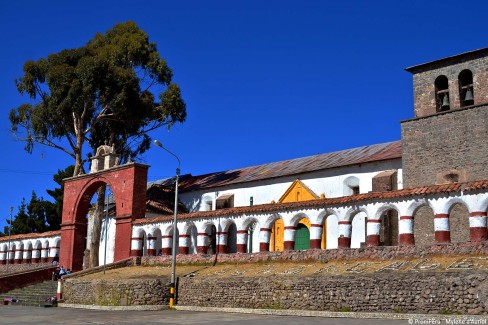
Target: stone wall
x,y
24,278
116,292
380,252
22,267
398,293
424,78
452,142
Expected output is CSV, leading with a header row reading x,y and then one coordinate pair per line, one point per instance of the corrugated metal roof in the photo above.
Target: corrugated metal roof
x,y
377,152
322,203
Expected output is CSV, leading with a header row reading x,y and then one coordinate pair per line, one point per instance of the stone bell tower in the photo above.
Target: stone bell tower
x,y
447,140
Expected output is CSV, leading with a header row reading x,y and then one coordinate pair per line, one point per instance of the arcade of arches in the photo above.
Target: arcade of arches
x,y
372,219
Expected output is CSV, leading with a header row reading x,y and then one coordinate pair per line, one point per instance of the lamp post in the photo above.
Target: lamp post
x,y
106,227
9,233
173,257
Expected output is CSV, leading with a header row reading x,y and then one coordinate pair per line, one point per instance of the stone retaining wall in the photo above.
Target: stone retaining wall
x,y
380,252
116,292
13,268
24,278
448,293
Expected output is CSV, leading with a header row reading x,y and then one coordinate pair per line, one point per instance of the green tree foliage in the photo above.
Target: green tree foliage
x,y
32,217
102,92
54,219
40,215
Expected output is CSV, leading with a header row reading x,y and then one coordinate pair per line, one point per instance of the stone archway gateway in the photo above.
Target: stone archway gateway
x,y
128,183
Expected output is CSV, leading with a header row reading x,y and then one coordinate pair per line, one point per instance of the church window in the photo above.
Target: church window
x,y
466,95
442,94
225,201
452,178
351,186
355,190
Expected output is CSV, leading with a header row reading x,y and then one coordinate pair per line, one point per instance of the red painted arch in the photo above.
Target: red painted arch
x,y
128,184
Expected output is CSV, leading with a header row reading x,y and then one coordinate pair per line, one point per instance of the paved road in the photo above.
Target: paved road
x,y
20,315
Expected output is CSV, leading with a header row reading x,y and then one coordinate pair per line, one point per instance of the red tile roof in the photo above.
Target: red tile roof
x,y
377,152
322,203
32,235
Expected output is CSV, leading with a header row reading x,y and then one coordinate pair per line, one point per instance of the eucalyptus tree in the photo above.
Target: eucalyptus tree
x,y
103,91
113,90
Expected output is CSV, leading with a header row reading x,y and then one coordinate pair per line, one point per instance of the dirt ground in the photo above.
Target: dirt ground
x,y
336,267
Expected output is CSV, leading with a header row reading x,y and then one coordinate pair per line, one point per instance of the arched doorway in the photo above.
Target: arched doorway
x,y
459,223
358,230
253,238
330,232
276,243
423,226
232,238
128,183
389,228
302,237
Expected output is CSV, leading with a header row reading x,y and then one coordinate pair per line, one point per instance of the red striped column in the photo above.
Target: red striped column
x,y
44,254
136,246
53,254
441,228
36,255
3,257
11,255
222,242
405,230
242,237
18,256
264,237
151,246
59,290
202,243
166,244
315,236
184,244
344,240
477,227
289,240
373,228
27,256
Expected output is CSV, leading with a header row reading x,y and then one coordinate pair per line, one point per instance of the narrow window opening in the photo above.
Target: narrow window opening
x,y
452,178
466,95
442,94
355,190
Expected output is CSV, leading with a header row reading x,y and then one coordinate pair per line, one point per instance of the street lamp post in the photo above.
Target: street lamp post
x,y
173,257
9,233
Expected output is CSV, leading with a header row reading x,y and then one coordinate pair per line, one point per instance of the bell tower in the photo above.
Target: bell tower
x,y
447,140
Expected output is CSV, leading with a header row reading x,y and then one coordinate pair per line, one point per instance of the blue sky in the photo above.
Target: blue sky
x,y
263,80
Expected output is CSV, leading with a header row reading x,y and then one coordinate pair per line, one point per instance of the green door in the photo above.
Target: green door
x,y
302,237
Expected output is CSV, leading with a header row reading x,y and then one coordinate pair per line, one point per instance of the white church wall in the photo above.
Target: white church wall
x,y
110,234
330,182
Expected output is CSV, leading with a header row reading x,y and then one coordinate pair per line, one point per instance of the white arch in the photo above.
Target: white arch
x,y
205,227
270,219
248,222
415,206
385,207
353,211
296,218
136,231
449,204
324,214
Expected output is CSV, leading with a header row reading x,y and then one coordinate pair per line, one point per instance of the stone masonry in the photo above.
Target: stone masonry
x,y
448,142
117,292
447,293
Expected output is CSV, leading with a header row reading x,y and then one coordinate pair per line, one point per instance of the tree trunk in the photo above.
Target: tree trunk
x,y
97,227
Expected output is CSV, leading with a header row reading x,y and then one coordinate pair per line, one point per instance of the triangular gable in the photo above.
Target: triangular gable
x,y
298,192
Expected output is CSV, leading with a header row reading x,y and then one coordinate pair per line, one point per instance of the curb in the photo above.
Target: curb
x,y
412,318
119,308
